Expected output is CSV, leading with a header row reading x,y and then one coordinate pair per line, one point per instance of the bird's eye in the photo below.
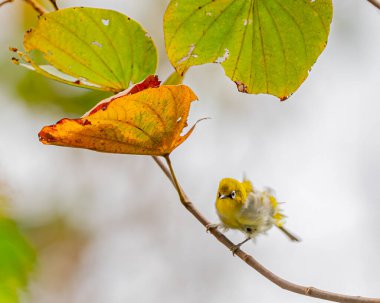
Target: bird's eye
x,y
233,194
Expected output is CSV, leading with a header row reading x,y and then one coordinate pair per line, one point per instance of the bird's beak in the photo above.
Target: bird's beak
x,y
223,196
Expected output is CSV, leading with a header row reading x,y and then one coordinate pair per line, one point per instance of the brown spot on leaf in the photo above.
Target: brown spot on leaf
x,y
150,82
285,97
61,121
84,122
100,106
77,82
241,87
46,137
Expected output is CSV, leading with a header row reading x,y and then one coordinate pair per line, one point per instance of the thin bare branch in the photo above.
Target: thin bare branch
x,y
5,2
252,262
163,168
54,3
375,3
37,6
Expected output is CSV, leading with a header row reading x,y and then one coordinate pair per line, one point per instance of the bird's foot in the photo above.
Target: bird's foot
x,y
235,247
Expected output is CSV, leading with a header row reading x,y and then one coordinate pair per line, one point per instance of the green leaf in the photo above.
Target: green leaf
x,y
89,47
174,79
17,259
265,46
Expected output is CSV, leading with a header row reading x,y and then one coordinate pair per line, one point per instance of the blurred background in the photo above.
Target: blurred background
x,y
110,228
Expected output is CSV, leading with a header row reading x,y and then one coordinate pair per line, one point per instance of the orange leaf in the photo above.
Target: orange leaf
x,y
147,120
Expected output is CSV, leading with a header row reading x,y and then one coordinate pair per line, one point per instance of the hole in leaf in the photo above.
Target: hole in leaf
x,y
191,49
224,57
97,43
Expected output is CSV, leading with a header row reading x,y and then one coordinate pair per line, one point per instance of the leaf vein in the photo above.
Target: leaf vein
x,y
282,46
297,25
74,58
87,46
101,30
241,44
184,21
210,25
262,46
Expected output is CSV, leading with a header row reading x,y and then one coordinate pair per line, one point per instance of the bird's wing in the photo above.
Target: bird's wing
x,y
256,206
269,190
277,214
256,215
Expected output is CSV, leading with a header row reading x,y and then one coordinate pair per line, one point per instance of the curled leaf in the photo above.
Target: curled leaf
x,y
148,119
90,47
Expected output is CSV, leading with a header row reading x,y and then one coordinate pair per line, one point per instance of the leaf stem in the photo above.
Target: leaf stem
x,y
174,78
37,6
252,262
5,2
175,181
164,169
375,3
54,3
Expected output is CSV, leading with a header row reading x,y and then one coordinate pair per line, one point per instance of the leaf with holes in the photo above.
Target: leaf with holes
x,y
148,119
90,47
265,46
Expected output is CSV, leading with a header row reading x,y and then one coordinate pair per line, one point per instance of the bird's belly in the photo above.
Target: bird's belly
x,y
230,222
255,225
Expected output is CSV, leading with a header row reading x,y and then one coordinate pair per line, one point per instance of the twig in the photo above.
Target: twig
x,y
5,2
307,291
54,3
163,168
375,3
37,7
174,180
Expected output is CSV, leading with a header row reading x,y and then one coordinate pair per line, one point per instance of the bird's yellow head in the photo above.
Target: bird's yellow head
x,y
231,189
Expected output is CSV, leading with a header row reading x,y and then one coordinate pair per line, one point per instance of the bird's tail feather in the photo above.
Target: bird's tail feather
x,y
289,234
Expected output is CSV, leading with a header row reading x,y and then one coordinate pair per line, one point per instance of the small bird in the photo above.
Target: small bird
x,y
240,206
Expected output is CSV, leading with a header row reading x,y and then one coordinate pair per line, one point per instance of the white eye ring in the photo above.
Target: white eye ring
x,y
233,194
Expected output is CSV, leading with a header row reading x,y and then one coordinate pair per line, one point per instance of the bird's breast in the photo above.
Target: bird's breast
x,y
228,211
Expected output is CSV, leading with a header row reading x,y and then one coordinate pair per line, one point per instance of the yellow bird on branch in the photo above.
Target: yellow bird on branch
x,y
241,206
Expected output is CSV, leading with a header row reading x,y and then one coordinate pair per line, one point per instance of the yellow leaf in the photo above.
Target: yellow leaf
x,y
148,119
